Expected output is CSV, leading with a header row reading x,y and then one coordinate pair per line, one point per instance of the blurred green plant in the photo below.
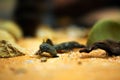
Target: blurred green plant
x,y
104,29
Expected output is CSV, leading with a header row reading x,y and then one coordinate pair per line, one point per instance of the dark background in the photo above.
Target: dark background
x,y
30,13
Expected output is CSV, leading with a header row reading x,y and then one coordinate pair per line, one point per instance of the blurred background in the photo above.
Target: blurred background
x,y
57,14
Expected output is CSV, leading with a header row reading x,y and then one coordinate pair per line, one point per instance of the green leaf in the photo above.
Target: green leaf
x,y
104,29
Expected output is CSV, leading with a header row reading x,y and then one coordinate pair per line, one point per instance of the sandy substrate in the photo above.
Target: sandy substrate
x,y
68,66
